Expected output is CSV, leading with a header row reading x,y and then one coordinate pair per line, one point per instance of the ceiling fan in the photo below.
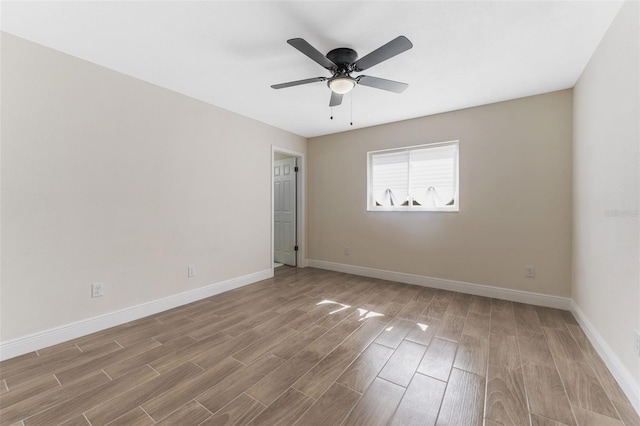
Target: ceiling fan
x,y
344,61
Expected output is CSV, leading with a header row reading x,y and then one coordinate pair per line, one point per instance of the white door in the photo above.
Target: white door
x,y
284,215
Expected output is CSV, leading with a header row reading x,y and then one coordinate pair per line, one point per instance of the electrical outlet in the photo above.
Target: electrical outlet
x,y
530,271
347,251
637,341
97,289
191,271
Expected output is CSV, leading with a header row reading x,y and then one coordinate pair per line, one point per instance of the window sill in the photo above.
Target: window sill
x,y
413,210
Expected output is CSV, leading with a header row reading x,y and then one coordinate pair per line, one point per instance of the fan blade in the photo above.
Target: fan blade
x,y
311,52
298,82
336,99
389,50
381,83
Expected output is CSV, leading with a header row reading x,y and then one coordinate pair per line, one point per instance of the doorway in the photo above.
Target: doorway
x,y
286,224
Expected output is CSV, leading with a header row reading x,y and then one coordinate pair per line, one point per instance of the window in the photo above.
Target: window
x,y
417,178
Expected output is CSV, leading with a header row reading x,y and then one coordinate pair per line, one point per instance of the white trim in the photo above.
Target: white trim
x,y
53,336
30,343
301,215
625,379
440,283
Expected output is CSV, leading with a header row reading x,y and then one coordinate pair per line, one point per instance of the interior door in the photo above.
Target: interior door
x,y
284,215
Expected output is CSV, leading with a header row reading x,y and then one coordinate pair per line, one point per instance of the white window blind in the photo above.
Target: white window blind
x,y
417,178
390,178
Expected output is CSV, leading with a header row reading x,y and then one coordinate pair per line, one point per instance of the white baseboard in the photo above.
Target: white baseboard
x,y
53,336
629,385
30,343
440,283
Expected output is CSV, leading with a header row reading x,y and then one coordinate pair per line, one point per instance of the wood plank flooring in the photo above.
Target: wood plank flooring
x,y
313,347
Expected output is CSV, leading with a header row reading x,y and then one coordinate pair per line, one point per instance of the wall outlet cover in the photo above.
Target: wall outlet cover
x,y
530,271
191,271
97,289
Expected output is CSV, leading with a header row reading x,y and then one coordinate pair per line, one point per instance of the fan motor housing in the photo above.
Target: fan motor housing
x,y
343,57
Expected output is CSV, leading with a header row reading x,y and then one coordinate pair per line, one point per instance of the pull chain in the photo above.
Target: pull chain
x,y
351,108
351,101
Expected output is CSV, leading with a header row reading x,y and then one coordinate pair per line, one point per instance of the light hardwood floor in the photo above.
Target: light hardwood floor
x,y
312,347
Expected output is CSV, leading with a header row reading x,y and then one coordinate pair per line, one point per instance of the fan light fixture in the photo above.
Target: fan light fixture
x,y
342,85
343,61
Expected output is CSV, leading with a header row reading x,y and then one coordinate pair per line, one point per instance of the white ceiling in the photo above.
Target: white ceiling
x,y
228,53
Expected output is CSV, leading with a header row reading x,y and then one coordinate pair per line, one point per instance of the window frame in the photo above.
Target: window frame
x,y
371,207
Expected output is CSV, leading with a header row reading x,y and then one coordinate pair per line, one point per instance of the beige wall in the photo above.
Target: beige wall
x,y
606,274
107,178
515,198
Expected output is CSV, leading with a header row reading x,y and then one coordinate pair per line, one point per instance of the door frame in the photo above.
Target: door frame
x,y
301,260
